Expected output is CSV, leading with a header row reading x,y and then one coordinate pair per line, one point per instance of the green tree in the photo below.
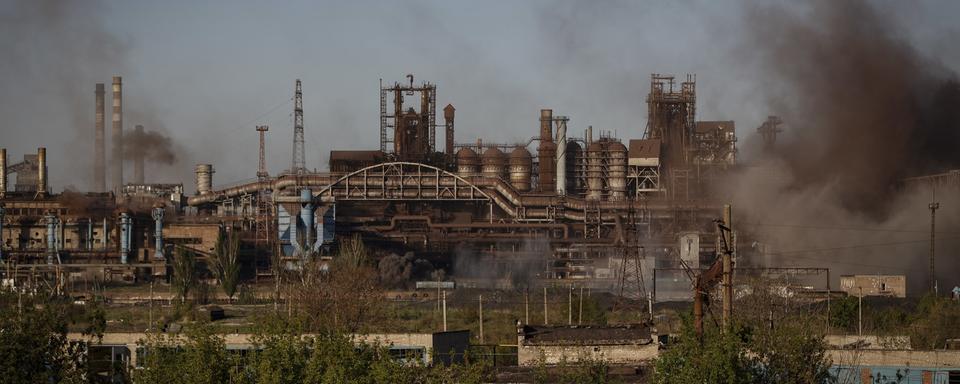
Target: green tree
x,y
198,356
791,352
226,262
184,272
33,340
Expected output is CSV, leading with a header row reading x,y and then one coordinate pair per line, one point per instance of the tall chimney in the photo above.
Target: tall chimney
x,y
42,171
448,114
546,153
138,156
99,143
116,160
3,172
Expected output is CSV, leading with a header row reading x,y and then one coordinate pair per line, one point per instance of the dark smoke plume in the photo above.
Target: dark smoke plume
x,y
153,146
865,108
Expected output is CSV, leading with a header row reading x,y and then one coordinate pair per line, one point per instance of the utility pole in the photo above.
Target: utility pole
x,y
860,313
481,319
933,233
526,306
580,315
444,311
545,322
727,282
570,306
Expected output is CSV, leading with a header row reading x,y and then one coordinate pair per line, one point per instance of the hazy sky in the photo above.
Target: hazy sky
x,y
206,73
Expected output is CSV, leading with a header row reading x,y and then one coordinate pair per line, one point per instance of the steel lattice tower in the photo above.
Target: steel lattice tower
x,y
299,164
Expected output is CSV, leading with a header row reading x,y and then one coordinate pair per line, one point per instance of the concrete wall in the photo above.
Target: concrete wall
x,y
869,366
874,285
528,355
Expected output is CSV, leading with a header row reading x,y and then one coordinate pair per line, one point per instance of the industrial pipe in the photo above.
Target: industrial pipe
x,y
126,227
306,215
158,232
561,159
51,221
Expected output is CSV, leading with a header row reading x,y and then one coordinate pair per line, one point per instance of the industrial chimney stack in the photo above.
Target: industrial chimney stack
x,y
138,157
3,172
99,143
41,171
117,135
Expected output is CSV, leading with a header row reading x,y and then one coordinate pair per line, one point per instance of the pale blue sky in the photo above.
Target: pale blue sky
x,y
207,72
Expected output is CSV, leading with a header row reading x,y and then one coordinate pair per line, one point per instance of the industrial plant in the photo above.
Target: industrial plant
x,y
599,209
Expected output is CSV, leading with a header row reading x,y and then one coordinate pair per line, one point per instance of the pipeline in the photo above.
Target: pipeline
x,y
157,215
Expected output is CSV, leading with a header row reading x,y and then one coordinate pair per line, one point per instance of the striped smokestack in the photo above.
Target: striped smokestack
x,y
99,143
138,156
116,160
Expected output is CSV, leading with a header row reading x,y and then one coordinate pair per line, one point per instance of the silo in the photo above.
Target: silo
x,y
521,163
204,178
494,163
468,162
617,166
595,171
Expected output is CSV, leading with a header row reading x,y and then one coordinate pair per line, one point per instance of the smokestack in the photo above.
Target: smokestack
x,y
546,125
3,172
138,157
117,135
561,167
99,143
204,178
448,113
42,171
546,153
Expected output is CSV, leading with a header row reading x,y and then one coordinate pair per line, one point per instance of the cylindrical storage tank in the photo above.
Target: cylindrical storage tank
x,y
617,165
547,153
494,163
521,164
42,174
204,178
595,171
468,162
574,155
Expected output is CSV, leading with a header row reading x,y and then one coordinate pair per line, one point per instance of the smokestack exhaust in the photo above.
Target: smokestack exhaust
x,y
42,171
138,157
99,143
117,134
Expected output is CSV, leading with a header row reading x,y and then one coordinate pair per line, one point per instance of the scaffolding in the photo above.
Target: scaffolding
x,y
422,123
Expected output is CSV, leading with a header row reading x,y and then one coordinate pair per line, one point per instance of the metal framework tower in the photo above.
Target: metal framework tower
x,y
630,279
264,220
769,130
413,135
299,162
